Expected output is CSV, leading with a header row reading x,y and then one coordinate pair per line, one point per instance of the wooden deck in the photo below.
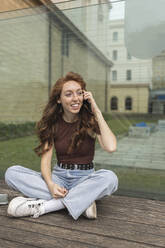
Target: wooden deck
x,y
122,222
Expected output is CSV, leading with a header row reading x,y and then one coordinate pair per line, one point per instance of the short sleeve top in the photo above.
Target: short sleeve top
x,y
82,155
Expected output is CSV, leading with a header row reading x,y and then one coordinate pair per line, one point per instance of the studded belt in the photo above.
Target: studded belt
x,y
76,166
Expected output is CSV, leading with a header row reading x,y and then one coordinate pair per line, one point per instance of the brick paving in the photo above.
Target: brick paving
x,y
147,152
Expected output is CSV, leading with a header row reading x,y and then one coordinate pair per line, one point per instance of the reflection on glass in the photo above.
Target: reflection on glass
x,y
145,27
40,44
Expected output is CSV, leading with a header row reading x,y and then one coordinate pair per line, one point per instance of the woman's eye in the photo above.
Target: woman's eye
x,y
68,94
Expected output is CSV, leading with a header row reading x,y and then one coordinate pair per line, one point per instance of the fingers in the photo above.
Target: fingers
x,y
87,95
60,192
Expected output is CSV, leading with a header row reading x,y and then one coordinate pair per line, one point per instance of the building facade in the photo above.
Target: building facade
x,y
131,78
157,94
91,17
39,44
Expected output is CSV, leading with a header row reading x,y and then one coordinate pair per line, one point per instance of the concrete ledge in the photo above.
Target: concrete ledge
x,y
161,125
143,131
139,131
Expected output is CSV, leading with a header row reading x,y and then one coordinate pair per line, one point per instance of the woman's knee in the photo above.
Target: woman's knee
x,y
110,177
11,173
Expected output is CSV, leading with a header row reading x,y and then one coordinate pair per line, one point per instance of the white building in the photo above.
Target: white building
x,y
131,78
126,69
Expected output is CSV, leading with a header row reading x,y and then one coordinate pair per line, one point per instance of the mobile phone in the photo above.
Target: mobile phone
x,y
88,105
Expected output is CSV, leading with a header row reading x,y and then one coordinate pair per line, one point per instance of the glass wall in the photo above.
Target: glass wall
x,y
40,43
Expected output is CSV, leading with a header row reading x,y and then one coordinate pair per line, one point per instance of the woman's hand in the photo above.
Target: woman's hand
x,y
89,97
57,191
106,137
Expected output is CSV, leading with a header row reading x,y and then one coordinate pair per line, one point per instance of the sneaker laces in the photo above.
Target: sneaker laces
x,y
35,208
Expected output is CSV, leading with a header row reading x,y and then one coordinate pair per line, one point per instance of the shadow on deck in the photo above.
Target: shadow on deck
x,y
122,222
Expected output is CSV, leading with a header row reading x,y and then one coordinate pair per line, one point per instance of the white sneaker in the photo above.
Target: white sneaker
x,y
21,207
91,211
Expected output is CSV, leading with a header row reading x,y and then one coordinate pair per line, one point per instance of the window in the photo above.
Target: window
x,y
115,36
114,75
150,107
128,103
129,56
128,74
114,103
65,44
114,55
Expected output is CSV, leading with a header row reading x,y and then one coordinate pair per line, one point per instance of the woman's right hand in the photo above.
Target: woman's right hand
x,y
57,191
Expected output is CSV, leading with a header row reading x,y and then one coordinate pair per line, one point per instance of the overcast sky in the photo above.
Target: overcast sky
x,y
117,11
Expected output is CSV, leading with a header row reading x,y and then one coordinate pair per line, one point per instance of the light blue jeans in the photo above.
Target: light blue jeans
x,y
84,186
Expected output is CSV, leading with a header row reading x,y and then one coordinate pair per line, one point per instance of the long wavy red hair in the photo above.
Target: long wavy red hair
x,y
47,127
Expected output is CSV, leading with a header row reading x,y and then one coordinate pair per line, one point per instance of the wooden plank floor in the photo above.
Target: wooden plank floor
x,y
123,222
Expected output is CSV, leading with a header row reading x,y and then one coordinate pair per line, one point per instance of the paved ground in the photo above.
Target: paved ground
x,y
147,152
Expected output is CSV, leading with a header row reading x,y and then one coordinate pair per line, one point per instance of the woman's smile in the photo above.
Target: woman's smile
x,y
75,106
71,97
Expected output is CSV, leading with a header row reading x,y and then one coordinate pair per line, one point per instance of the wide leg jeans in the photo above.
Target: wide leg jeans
x,y
84,186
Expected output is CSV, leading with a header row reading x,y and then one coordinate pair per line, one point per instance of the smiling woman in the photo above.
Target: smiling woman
x,y
70,123
71,99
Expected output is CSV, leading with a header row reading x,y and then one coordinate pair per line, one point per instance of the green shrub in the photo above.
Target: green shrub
x,y
10,131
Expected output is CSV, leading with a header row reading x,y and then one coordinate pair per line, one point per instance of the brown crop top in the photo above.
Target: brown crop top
x,y
83,155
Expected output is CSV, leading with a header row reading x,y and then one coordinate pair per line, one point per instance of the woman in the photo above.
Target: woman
x,y
71,122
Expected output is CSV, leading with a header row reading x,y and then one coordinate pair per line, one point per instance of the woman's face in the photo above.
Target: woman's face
x,y
71,97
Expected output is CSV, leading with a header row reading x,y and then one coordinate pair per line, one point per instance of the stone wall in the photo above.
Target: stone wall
x,y
25,59
24,67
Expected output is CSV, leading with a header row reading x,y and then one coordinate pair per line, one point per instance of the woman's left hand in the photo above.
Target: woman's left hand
x,y
89,97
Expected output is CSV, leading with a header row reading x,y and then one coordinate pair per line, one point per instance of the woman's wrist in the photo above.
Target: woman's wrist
x,y
95,108
97,114
49,183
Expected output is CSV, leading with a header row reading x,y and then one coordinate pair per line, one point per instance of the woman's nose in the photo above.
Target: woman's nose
x,y
75,96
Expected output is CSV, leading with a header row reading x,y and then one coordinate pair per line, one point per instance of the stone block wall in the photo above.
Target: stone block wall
x,y
24,66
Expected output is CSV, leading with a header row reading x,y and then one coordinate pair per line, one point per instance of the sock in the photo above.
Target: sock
x,y
53,205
